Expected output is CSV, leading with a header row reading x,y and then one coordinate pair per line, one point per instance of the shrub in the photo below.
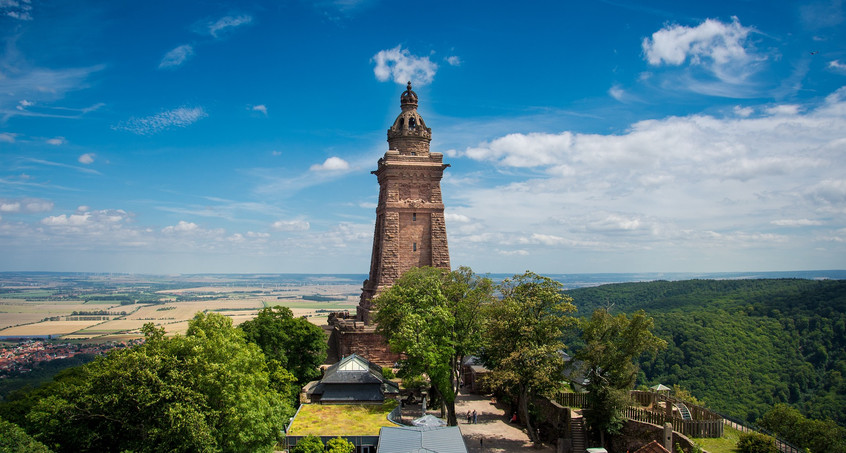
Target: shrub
x,y
308,444
756,443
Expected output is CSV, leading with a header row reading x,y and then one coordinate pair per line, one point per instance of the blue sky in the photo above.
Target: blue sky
x,y
606,136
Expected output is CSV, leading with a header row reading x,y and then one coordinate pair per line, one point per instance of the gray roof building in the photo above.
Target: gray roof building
x,y
446,439
353,379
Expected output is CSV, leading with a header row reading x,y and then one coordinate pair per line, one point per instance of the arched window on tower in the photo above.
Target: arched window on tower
x,y
412,123
414,247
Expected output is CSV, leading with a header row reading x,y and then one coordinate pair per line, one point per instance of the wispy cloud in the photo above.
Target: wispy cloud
x,y
176,118
16,9
220,26
453,60
401,66
259,108
837,65
61,165
7,137
290,225
177,56
26,87
56,141
87,158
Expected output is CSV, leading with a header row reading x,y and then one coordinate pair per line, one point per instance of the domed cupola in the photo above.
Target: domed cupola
x,y
409,134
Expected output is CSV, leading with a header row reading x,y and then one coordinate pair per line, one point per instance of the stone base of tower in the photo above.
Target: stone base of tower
x,y
354,337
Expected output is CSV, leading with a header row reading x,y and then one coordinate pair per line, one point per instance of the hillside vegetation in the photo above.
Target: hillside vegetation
x,y
742,346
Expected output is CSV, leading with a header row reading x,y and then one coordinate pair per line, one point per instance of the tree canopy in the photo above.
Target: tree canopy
x,y
433,317
207,391
523,331
612,343
296,344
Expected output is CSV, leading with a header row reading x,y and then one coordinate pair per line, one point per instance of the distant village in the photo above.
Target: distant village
x,y
28,353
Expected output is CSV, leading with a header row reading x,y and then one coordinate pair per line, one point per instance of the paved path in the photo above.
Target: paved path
x,y
491,433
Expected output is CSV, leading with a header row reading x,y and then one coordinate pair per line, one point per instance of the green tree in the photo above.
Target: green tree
x,y
820,436
298,345
340,445
13,439
432,316
611,345
308,444
523,344
206,391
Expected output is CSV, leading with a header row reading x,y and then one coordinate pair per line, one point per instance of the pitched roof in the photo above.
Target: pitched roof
x,y
652,447
446,439
353,378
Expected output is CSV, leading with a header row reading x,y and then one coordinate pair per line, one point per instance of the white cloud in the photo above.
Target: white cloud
x,y
89,220
796,222
714,58
87,158
7,137
181,227
458,218
331,164
453,60
180,117
260,108
10,206
401,66
56,141
16,9
837,65
710,41
226,23
784,109
27,86
699,185
176,56
616,92
290,225
743,111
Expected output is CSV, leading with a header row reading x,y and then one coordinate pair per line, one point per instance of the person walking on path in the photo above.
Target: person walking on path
x,y
475,416
469,417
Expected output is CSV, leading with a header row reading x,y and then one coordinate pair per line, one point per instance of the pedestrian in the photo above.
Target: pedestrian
x,y
469,417
474,417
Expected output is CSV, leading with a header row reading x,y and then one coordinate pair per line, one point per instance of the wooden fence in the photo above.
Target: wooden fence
x,y
704,423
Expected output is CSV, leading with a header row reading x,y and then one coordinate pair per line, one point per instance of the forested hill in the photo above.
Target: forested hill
x,y
742,345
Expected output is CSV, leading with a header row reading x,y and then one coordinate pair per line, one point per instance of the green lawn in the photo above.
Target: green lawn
x,y
341,419
725,444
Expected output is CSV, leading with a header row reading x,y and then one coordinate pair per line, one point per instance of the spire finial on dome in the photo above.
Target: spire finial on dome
x,y
408,98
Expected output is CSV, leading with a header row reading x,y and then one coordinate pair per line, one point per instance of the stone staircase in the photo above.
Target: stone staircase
x,y
577,432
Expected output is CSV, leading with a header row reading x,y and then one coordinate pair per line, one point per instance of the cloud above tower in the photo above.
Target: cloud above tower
x,y
401,66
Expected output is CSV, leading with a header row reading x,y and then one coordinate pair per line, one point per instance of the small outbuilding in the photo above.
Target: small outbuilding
x,y
352,380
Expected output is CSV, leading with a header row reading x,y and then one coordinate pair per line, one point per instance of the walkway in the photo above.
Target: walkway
x,y
491,433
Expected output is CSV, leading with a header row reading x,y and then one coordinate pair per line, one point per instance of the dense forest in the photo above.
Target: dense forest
x,y
741,346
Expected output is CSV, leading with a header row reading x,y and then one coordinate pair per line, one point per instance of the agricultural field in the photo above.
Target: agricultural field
x,y
108,308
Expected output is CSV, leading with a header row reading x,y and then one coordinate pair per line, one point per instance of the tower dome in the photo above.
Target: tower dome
x,y
409,134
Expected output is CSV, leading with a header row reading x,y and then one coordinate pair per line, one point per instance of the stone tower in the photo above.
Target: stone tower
x,y
410,229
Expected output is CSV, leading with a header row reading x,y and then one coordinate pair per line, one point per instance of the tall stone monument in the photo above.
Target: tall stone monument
x,y
410,229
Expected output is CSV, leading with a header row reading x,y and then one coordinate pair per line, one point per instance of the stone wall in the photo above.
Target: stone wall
x,y
354,337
